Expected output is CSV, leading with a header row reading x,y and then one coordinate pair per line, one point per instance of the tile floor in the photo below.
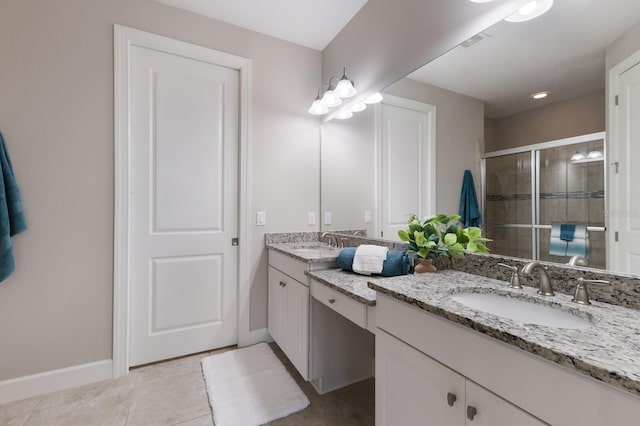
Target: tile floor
x,y
173,393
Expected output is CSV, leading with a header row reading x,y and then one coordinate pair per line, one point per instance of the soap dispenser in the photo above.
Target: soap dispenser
x,y
514,282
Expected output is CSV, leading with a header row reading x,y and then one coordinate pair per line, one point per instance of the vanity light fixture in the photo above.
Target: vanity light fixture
x,y
531,10
374,99
344,115
578,156
595,154
317,107
359,107
539,95
333,94
345,88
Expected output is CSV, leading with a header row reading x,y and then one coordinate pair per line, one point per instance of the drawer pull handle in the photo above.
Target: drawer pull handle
x,y
282,284
471,412
451,398
332,300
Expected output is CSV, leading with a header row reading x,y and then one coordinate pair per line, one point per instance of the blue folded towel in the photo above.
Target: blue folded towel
x,y
396,263
12,219
578,245
469,209
566,231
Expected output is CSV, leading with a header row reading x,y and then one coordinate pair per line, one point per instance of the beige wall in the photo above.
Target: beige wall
x,y
622,48
459,125
56,113
574,117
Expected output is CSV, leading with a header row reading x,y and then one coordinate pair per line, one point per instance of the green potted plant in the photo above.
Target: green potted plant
x,y
440,235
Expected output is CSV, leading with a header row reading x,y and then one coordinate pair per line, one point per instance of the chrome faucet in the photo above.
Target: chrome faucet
x,y
358,233
333,241
545,288
577,260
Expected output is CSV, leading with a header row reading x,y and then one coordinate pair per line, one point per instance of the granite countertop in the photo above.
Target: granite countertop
x,y
608,351
348,283
308,251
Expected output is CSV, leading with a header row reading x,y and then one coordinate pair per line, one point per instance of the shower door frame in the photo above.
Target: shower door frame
x,y
535,149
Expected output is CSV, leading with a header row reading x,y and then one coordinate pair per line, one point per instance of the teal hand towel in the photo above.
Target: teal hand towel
x,y
12,219
566,231
396,263
345,258
469,208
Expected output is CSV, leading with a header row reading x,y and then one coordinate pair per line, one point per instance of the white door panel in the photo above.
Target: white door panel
x,y
407,144
625,194
184,121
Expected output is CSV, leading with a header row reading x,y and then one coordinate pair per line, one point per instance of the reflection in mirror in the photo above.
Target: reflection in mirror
x,y
562,52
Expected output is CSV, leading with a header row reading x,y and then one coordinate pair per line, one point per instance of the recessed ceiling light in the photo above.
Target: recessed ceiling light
x,y
539,95
531,10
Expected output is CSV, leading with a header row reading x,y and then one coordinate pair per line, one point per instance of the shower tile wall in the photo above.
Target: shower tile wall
x,y
509,202
569,193
572,193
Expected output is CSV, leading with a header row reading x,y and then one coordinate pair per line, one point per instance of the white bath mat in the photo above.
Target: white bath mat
x,y
250,387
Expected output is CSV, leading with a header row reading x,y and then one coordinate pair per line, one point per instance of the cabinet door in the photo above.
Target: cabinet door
x,y
275,309
296,325
413,389
491,410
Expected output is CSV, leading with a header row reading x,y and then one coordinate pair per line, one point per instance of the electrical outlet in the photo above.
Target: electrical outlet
x,y
327,218
311,218
261,218
367,216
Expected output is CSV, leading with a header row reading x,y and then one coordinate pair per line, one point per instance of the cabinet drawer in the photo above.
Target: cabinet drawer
x,y
290,266
345,306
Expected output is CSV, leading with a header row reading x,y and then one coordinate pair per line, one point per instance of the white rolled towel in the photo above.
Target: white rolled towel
x,y
369,259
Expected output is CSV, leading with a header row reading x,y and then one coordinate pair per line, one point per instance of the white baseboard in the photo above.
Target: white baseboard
x,y
255,336
55,380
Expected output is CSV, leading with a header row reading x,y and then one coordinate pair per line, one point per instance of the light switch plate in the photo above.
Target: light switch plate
x,y
311,218
367,216
261,218
327,218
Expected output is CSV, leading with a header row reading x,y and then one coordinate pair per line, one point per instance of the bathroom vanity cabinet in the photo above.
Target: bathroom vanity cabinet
x,y
414,389
422,359
288,306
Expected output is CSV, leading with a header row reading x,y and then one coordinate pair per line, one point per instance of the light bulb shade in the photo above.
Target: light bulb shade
x,y
594,154
374,99
345,88
529,11
330,99
318,108
359,107
344,115
577,156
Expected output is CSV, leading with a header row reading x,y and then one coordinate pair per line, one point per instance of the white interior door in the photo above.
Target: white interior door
x,y
184,133
407,163
625,175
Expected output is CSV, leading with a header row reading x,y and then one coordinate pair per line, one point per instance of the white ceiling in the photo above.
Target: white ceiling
x,y
310,23
562,51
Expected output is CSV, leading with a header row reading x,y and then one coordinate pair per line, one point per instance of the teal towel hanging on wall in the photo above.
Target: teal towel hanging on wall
x,y
469,209
12,219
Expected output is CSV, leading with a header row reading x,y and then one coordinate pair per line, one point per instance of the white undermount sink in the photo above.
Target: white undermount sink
x,y
526,312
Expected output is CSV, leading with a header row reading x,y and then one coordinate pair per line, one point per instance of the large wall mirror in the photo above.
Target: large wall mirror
x,y
536,162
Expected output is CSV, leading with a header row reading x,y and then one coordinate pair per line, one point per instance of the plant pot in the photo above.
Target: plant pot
x,y
424,265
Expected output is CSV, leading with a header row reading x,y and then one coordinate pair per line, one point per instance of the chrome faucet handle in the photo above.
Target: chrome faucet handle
x,y
581,296
514,282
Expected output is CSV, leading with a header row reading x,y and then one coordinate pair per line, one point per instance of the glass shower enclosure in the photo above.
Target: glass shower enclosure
x,y
528,189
